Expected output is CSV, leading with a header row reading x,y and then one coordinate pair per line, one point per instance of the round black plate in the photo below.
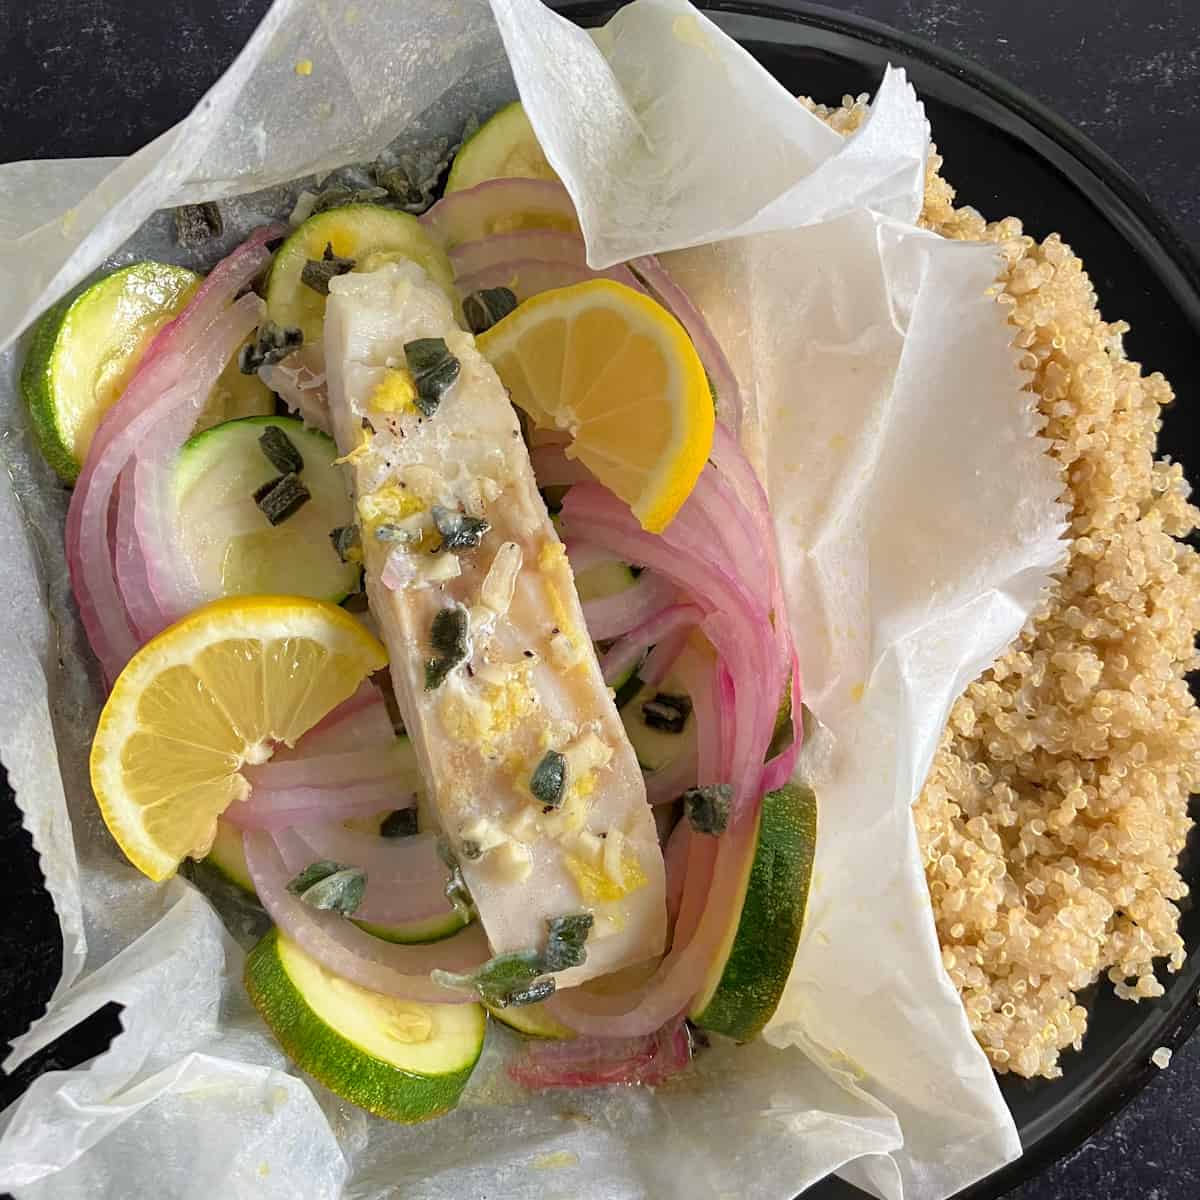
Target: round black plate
x,y
1008,155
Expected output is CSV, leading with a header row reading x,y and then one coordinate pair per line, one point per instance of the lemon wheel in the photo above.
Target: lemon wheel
x,y
219,689
614,369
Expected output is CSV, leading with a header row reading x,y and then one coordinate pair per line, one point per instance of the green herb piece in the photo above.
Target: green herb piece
x,y
459,531
280,451
272,344
395,182
317,272
282,497
450,642
313,873
457,891
535,993
667,713
196,224
434,370
707,808
549,779
401,823
387,532
565,941
484,308
345,538
341,892
337,196
501,980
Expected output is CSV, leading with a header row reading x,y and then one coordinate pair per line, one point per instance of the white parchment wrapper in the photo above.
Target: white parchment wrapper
x,y
917,523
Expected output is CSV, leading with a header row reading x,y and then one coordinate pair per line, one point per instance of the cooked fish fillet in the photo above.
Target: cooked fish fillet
x,y
525,686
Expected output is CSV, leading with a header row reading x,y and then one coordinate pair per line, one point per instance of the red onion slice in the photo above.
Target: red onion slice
x,y
145,617
358,723
603,1061
628,651
545,245
338,769
174,378
341,947
500,206
318,805
612,616
530,277
406,880
671,296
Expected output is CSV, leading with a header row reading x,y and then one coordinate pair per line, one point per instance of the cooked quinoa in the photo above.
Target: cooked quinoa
x,y
1056,807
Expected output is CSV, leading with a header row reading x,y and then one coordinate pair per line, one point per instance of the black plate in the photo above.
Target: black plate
x,y
1006,154
1009,155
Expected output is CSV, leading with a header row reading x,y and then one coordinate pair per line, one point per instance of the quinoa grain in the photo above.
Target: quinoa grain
x,y
1056,807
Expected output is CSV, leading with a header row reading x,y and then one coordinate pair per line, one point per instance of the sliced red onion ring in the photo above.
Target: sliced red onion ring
x,y
145,616
359,722
545,245
663,657
170,385
500,206
317,805
338,769
672,297
675,860
628,651
601,1061
406,880
341,947
530,277
612,616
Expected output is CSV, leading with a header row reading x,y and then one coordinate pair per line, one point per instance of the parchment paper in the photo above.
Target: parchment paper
x,y
916,521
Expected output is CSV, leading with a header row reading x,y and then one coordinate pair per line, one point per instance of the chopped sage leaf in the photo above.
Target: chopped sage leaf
x,y
394,182
499,980
337,196
387,532
549,779
667,713
313,873
281,498
345,538
565,941
317,272
196,224
451,644
456,889
272,344
459,531
707,808
280,451
484,308
401,823
341,892
535,993
434,370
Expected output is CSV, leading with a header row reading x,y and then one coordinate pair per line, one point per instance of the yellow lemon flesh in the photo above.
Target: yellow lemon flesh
x,y
219,689
617,372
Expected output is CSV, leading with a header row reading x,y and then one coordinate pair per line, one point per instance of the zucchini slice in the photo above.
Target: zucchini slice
x,y
748,977
503,147
397,1059
86,348
366,233
234,549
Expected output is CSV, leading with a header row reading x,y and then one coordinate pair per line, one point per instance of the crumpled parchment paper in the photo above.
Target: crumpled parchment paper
x,y
917,523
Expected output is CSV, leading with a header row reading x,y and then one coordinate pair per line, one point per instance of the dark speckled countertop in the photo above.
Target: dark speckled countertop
x,y
84,77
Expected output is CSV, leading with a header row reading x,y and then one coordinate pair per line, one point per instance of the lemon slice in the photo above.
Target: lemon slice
x,y
219,689
617,371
